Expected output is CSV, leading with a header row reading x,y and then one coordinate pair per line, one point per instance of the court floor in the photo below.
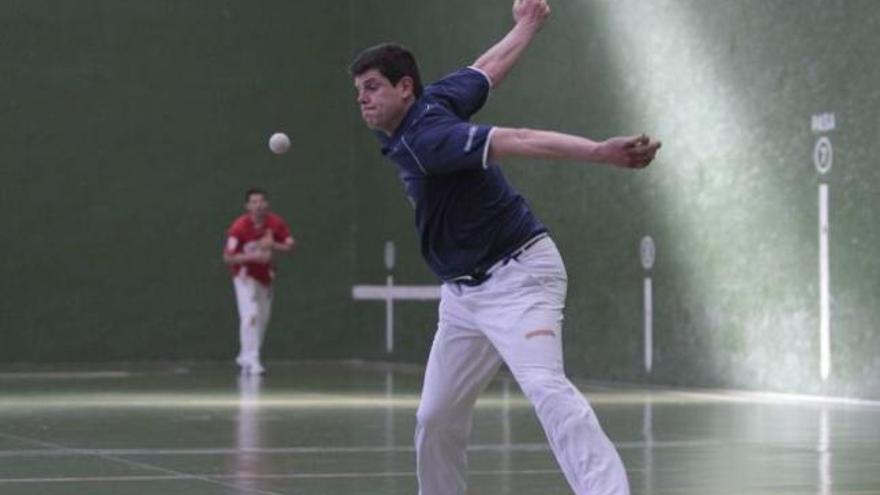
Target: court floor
x,y
346,428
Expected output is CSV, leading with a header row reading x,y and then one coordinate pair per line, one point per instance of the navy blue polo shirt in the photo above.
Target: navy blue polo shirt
x,y
467,214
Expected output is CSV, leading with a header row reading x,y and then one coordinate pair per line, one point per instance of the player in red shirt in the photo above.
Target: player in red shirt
x,y
251,240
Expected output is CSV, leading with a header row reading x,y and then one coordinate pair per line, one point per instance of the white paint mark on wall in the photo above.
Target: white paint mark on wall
x,y
823,122
647,254
824,287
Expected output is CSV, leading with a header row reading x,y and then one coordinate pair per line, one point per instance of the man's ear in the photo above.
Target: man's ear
x,y
407,85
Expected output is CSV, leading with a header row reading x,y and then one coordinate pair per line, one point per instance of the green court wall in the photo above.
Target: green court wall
x,y
131,130
731,204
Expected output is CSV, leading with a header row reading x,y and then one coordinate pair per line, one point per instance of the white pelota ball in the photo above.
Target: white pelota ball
x,y
279,143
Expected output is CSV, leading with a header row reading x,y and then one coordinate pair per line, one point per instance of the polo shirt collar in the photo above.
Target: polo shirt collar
x,y
388,141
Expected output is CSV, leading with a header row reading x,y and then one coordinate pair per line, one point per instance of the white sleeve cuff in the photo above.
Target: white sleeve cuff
x,y
481,71
486,148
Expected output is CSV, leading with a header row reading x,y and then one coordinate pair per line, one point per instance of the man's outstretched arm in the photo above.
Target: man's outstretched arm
x,y
529,16
626,152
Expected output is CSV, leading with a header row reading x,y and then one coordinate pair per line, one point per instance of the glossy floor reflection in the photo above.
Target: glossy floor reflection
x,y
344,428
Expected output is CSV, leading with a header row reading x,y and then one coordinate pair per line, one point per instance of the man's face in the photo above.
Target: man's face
x,y
382,104
257,205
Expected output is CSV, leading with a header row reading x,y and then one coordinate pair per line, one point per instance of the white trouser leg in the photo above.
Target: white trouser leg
x,y
520,310
254,306
264,314
461,363
587,457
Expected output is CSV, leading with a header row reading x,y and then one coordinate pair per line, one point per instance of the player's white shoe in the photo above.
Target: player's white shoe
x,y
251,368
257,369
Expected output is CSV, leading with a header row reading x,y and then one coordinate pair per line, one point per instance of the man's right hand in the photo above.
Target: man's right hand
x,y
533,12
629,152
262,256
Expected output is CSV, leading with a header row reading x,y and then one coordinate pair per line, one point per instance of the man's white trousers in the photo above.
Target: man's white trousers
x,y
254,310
516,317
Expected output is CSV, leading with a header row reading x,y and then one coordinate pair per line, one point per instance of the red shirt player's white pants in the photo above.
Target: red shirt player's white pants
x,y
254,309
516,317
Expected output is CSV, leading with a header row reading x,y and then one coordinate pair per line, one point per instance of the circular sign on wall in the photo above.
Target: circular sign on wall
x,y
823,155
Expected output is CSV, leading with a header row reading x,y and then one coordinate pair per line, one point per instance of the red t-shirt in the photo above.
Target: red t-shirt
x,y
243,237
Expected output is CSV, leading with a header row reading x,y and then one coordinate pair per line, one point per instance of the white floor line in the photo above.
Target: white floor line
x,y
117,400
214,478
170,473
518,447
63,375
724,395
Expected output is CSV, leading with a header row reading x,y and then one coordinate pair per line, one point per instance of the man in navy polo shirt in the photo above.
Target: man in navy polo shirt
x,y
504,282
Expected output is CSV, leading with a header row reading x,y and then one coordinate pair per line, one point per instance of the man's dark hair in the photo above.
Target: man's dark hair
x,y
255,190
392,60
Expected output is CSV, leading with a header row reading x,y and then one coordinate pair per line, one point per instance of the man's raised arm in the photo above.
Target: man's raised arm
x,y
529,16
